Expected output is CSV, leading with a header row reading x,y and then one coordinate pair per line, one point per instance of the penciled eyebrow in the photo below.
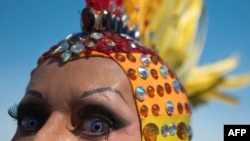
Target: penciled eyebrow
x,y
34,93
100,90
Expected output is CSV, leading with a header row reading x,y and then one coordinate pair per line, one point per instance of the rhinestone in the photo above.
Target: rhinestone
x,y
168,88
143,72
145,60
144,110
132,74
66,56
96,35
77,48
164,130
160,90
63,47
140,93
150,132
177,86
69,36
190,132
150,91
163,71
182,131
87,19
154,59
172,129
90,44
131,57
109,42
133,45
169,107
154,73
126,36
180,108
120,57
155,109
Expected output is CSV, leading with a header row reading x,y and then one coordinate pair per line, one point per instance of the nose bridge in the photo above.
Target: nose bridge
x,y
55,129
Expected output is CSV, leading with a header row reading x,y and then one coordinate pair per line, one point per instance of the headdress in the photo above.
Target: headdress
x,y
161,100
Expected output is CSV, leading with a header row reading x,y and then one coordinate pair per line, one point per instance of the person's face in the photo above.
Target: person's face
x,y
85,99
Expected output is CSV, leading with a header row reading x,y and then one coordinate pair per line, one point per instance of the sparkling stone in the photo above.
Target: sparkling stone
x,y
144,110
132,74
140,93
126,36
77,48
164,130
150,132
66,56
96,35
160,90
155,110
154,73
180,108
168,88
133,45
169,107
182,131
87,19
63,47
131,57
109,42
177,86
90,44
163,71
150,91
145,60
143,72
190,132
120,57
172,129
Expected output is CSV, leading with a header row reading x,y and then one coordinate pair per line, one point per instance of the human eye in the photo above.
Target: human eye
x,y
29,117
97,122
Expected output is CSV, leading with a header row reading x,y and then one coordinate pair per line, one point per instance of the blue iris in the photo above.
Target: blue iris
x,y
97,126
31,123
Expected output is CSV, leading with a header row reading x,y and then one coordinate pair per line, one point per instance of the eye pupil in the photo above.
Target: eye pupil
x,y
97,126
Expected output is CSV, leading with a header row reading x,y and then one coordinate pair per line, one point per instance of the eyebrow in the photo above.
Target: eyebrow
x,y
34,93
100,90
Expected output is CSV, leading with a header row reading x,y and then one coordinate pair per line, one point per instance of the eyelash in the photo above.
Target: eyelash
x,y
12,111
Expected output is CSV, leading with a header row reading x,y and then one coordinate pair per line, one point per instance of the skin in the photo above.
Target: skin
x,y
60,91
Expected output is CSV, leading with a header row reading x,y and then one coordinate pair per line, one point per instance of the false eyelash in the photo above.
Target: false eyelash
x,y
12,111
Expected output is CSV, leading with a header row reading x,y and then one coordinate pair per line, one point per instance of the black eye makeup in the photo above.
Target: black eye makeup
x,y
30,117
97,121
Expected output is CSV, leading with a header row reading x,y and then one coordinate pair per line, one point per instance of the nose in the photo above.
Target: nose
x,y
55,129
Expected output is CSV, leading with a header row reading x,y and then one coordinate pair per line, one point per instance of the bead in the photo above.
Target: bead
x,y
150,132
90,44
160,90
154,74
169,107
87,19
145,60
132,45
131,57
150,91
172,129
143,72
132,74
168,88
180,108
109,42
164,72
154,59
155,110
96,35
164,130
140,93
120,57
177,86
144,110
63,46
77,48
182,132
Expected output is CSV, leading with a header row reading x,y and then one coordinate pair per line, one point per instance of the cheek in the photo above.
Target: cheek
x,y
130,133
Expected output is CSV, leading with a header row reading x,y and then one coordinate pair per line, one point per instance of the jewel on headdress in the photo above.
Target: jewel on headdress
x,y
180,108
77,48
177,86
63,46
120,57
131,57
172,129
190,132
164,130
168,88
132,74
182,131
109,42
90,44
144,110
96,35
160,90
150,132
163,71
145,60
169,107
150,91
154,73
140,93
155,109
143,72
66,56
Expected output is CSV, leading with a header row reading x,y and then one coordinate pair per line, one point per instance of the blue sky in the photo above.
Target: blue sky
x,y
29,27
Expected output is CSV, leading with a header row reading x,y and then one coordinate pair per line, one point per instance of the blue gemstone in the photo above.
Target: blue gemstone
x,y
172,129
177,86
63,47
140,93
164,71
145,60
143,72
164,130
77,48
169,107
